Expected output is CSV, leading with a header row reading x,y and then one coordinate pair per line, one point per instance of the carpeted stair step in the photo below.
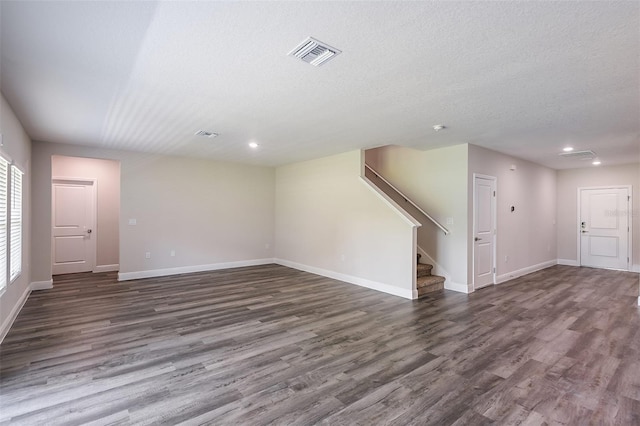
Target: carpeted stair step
x,y
424,270
429,284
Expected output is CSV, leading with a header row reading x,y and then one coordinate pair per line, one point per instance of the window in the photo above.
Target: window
x,y
4,167
10,222
15,220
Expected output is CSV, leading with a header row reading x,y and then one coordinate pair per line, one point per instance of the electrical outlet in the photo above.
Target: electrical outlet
x,y
147,255
343,257
506,259
267,246
173,253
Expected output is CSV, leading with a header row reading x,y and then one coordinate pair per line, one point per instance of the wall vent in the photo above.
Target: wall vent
x,y
314,52
206,134
579,155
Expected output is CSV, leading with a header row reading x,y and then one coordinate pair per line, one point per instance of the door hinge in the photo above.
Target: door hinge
x,y
494,193
494,270
628,197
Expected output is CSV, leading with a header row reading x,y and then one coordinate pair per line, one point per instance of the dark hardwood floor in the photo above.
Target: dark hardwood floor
x,y
269,344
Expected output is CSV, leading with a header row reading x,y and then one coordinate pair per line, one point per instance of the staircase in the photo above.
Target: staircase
x,y
425,282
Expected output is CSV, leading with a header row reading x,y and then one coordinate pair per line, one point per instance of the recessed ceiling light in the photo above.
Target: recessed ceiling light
x,y
567,149
438,127
596,162
205,134
253,145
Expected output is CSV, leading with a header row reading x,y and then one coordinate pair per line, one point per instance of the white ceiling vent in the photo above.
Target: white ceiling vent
x,y
206,134
314,52
579,155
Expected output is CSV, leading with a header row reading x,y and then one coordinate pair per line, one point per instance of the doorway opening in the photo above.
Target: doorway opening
x,y
85,203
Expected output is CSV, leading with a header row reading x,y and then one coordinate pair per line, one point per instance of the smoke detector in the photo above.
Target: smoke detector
x,y
314,52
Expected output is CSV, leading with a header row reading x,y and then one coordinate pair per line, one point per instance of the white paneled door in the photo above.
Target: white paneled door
x,y
73,217
604,228
484,225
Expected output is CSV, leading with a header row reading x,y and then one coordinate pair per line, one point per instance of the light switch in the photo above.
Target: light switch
x,y
133,222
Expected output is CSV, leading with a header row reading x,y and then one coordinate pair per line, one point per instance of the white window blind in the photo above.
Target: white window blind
x,y
15,221
4,167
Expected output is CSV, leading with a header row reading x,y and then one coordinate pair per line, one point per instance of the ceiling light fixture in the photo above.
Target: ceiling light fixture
x,y
205,134
567,149
253,145
438,127
596,162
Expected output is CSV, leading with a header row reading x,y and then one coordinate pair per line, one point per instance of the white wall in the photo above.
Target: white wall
x,y
17,147
211,214
568,183
107,176
329,221
527,235
436,180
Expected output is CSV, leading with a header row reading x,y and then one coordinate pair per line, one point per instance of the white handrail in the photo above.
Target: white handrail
x,y
445,230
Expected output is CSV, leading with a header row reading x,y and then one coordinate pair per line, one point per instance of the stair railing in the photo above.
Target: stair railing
x,y
435,222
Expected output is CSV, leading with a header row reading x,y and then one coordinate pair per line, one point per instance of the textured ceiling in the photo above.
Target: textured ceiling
x,y
523,78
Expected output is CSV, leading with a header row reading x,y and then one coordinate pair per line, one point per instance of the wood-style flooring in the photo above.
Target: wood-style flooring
x,y
272,345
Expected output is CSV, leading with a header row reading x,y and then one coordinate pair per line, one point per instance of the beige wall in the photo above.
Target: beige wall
x,y
436,180
107,176
209,213
17,147
329,221
527,235
568,183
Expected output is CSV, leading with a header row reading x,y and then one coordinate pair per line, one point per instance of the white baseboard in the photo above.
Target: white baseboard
x,y
524,271
106,268
125,276
567,262
362,282
8,322
635,268
460,288
42,285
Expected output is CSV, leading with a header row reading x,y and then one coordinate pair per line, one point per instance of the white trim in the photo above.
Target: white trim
x,y
635,268
125,276
524,271
568,262
389,201
106,268
42,285
362,282
494,219
8,322
638,300
460,288
629,189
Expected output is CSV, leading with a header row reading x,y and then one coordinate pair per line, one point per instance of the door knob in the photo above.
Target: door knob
x,y
584,232
477,239
89,231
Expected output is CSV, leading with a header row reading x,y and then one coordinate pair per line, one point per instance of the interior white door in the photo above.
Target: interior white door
x,y
73,237
484,225
604,228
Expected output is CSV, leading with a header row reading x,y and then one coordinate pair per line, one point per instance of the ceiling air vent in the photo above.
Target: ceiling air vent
x,y
314,52
206,134
579,155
